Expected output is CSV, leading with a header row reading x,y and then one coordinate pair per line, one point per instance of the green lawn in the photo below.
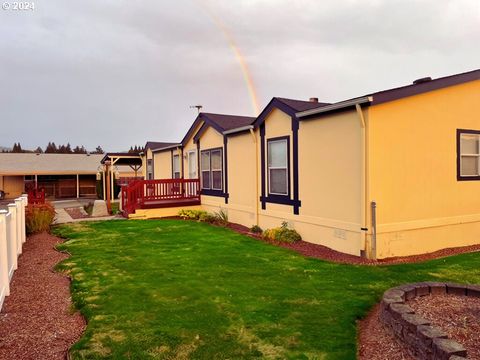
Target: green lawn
x,y
172,289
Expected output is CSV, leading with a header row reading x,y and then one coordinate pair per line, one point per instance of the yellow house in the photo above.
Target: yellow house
x,y
147,157
392,173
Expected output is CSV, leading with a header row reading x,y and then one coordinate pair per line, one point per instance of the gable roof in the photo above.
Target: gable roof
x,y
153,145
418,87
220,122
228,122
288,106
301,105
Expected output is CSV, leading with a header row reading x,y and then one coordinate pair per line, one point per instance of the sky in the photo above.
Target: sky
x,y
118,73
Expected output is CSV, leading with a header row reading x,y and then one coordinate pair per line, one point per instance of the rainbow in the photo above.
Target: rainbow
x,y
238,55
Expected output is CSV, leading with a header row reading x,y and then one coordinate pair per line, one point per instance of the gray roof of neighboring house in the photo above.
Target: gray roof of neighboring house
x,y
48,164
153,145
228,122
301,105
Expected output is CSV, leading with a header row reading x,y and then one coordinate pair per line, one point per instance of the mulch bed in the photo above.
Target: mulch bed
x,y
76,213
36,321
378,343
325,253
457,316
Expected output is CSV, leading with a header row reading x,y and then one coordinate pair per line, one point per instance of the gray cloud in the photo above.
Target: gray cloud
x,y
119,73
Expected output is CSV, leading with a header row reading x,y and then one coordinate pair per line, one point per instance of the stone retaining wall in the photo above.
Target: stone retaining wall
x,y
424,341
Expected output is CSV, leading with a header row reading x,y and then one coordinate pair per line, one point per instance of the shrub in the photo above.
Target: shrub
x,y
39,217
207,217
221,217
191,214
256,229
282,234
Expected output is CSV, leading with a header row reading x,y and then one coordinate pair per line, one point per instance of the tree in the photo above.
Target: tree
x,y
38,150
98,150
51,148
68,149
17,148
79,150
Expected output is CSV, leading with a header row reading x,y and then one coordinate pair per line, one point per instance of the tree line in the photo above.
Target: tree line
x,y
52,148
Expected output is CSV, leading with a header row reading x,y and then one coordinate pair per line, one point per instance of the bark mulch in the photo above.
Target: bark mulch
x,y
378,343
76,213
457,316
36,321
325,253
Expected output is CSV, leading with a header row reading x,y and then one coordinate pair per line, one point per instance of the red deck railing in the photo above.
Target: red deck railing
x,y
140,194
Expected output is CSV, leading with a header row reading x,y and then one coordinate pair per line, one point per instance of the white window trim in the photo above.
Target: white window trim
x,y
462,155
209,169
278,168
176,161
190,152
217,170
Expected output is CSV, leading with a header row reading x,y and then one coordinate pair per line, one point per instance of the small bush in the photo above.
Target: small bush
x,y
221,217
207,217
282,234
191,214
39,217
256,229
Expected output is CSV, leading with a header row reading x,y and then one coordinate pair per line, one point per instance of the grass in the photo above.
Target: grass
x,y
173,289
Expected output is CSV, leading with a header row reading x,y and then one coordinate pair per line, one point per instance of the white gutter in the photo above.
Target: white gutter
x,y
239,129
336,106
174,146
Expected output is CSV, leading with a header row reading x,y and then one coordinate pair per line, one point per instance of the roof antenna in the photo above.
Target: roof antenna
x,y
198,107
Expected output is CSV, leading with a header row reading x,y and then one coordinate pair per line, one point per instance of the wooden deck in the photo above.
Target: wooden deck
x,y
156,204
161,193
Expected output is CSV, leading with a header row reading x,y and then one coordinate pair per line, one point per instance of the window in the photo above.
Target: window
x,y
150,169
278,166
212,169
205,169
217,169
192,164
176,166
469,154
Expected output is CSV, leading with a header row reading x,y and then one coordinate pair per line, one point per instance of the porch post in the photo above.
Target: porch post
x,y
36,181
104,187
112,191
78,186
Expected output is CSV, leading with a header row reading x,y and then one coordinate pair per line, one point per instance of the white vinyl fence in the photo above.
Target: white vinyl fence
x,y
12,237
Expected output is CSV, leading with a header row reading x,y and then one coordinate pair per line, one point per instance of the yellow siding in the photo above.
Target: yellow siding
x,y
330,181
412,155
142,214
279,124
241,182
190,146
162,165
211,139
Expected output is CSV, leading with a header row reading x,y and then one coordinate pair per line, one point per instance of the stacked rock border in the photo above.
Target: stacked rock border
x,y
423,340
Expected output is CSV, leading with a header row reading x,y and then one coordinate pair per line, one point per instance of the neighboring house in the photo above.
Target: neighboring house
x,y
391,173
61,175
147,158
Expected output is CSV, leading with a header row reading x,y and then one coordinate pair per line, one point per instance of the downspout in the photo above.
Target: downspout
x,y
363,180
254,138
